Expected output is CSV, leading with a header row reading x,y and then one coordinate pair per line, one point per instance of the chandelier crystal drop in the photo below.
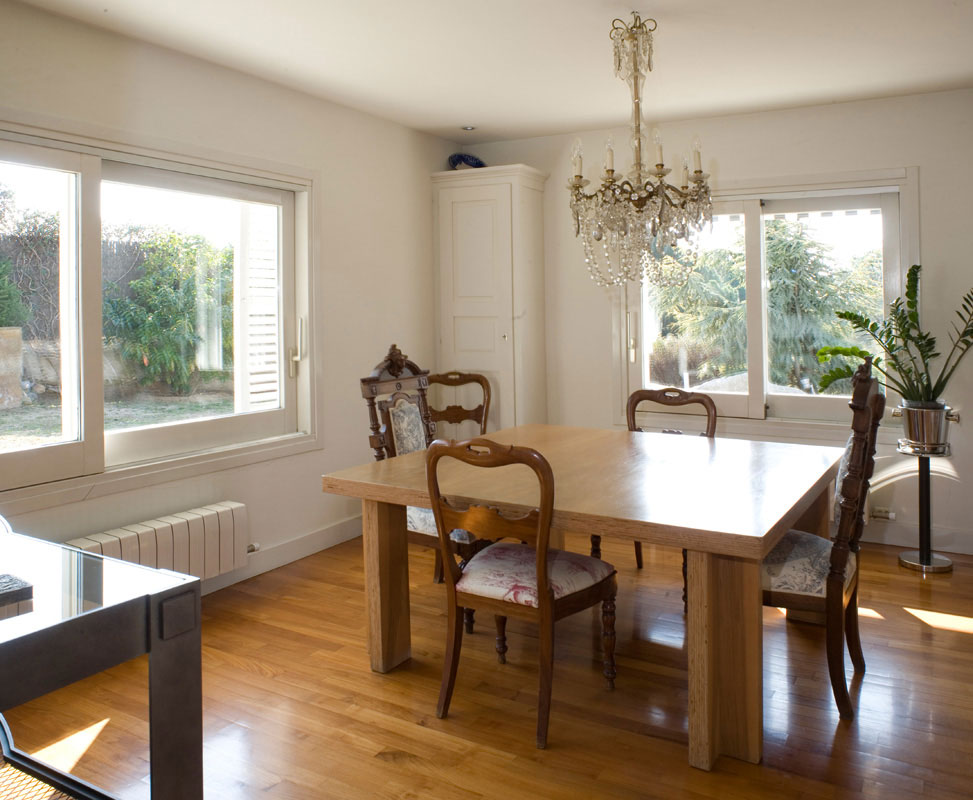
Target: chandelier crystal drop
x,y
631,226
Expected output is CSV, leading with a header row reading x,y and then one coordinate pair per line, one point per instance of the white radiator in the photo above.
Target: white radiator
x,y
204,542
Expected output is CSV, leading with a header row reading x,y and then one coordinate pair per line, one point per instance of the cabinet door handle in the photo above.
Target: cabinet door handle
x,y
504,337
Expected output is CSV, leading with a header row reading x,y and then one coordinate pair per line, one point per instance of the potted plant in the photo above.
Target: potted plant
x,y
907,364
13,314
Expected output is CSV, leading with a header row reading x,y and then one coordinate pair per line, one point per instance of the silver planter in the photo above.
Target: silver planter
x,y
926,429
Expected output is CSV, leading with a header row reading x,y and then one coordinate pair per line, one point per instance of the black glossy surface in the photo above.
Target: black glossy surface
x,y
68,583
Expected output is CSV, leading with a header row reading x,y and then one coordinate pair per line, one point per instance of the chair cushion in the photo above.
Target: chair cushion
x,y
799,564
421,520
508,571
407,429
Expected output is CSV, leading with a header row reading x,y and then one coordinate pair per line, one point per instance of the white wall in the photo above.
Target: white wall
x,y
373,261
931,131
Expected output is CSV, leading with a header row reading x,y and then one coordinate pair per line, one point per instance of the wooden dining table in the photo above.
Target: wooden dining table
x,y
726,501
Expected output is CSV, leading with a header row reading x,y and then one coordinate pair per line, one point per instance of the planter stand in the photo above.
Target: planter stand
x,y
923,559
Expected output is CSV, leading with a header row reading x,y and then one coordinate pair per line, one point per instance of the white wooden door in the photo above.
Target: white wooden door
x,y
476,303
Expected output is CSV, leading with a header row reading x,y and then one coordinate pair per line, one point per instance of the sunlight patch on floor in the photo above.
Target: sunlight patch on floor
x,y
869,612
67,752
946,622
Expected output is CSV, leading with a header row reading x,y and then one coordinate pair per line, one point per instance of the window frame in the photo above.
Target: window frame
x,y
44,476
151,442
85,454
900,246
828,407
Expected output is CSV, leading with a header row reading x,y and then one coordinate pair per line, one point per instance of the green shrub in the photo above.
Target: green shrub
x,y
154,320
13,312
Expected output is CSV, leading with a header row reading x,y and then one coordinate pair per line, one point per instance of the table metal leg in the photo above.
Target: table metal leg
x,y
924,559
386,584
725,630
175,696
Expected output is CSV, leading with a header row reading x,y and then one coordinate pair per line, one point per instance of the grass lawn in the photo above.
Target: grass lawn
x,y
37,425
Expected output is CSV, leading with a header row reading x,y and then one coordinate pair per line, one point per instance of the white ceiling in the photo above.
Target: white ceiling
x,y
518,68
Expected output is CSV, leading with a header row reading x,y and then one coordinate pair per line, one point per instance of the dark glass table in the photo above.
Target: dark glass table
x,y
88,613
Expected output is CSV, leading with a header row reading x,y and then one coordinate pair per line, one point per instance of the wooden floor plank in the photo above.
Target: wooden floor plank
x,y
293,712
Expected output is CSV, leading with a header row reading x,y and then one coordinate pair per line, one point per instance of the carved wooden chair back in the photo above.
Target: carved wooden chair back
x,y
486,522
398,411
672,397
456,414
867,406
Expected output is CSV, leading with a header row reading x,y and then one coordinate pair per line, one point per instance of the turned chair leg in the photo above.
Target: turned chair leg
x,y
835,638
454,641
595,546
638,555
501,638
852,635
546,651
468,618
608,639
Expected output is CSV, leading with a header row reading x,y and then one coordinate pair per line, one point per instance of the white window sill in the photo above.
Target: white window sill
x,y
128,477
797,431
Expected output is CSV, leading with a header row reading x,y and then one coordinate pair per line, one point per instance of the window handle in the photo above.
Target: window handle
x,y
632,343
296,354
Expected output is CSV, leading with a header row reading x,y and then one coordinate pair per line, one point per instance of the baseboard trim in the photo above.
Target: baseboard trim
x,y
899,534
946,540
268,558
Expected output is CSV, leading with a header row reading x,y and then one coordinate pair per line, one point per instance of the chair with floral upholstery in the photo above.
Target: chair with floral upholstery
x,y
399,423
807,572
521,578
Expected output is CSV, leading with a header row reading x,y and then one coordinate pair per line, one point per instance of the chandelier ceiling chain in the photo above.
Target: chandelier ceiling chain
x,y
631,225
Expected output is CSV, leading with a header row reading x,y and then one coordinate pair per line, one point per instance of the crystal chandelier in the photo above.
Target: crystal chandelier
x,y
630,226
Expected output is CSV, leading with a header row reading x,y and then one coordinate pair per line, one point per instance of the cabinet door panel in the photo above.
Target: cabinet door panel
x,y
476,304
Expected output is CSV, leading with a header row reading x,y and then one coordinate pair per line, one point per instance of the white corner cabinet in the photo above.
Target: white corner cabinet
x,y
489,235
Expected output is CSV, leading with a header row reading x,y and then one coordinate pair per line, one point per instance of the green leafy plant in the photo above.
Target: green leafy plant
x,y
154,319
909,350
13,312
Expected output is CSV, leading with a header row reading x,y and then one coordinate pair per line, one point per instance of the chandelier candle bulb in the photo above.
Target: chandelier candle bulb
x,y
609,157
685,174
697,159
657,138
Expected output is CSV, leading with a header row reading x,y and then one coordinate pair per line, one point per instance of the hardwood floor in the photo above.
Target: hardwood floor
x,y
293,711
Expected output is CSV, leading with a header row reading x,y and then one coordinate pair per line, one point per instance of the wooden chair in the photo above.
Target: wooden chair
x,y
400,422
456,414
806,572
665,397
521,578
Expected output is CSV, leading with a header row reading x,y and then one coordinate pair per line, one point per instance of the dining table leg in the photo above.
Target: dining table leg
x,y
725,659
386,559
